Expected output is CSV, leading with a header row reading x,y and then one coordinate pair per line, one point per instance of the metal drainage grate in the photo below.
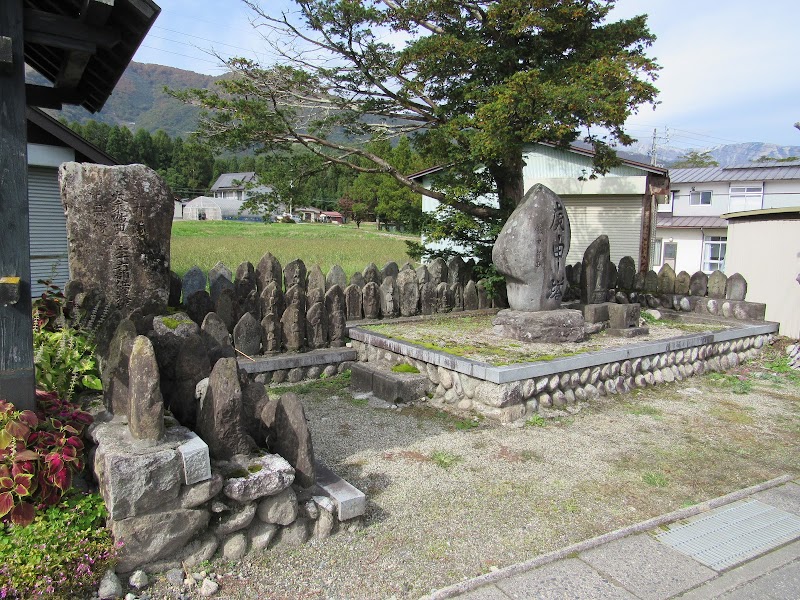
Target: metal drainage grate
x,y
734,534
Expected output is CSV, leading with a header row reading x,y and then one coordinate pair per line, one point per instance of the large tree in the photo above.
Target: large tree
x,y
471,81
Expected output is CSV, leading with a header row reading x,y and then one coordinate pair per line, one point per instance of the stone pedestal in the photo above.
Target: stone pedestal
x,y
562,325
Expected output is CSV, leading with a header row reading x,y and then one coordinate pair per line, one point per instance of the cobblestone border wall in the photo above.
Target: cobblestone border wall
x,y
507,394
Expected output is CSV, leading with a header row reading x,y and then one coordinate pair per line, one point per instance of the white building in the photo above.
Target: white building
x,y
690,235
620,204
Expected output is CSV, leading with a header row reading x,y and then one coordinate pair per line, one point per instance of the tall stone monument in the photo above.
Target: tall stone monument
x,y
119,221
531,253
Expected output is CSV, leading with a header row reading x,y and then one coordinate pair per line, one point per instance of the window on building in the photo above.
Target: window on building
x,y
714,252
657,252
666,207
702,198
746,197
670,253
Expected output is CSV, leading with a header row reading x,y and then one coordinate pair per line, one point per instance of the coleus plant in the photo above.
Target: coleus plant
x,y
39,453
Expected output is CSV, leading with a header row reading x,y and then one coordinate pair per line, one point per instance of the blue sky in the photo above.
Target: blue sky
x,y
730,68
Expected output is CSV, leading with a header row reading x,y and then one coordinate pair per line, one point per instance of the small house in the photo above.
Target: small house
x,y
307,214
620,204
331,216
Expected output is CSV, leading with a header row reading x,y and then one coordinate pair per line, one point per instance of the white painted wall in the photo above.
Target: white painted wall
x,y
767,254
689,256
781,194
719,199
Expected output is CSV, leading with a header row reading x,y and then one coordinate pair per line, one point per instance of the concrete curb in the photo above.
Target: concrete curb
x,y
683,513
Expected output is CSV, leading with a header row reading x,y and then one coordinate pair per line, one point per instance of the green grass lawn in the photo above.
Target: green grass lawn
x,y
203,243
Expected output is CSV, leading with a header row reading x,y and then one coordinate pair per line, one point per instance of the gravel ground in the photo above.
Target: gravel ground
x,y
450,499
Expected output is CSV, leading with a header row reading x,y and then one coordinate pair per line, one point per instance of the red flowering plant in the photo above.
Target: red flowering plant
x,y
39,453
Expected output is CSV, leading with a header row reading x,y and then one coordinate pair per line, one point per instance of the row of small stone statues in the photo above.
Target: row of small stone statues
x,y
268,308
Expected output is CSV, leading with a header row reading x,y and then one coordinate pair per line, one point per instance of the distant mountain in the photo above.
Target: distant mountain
x,y
726,155
139,100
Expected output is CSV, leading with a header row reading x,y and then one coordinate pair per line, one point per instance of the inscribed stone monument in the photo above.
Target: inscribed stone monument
x,y
119,222
595,281
531,251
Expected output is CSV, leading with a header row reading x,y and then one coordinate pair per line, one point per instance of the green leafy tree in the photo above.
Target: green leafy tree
x,y
120,145
472,81
694,158
143,150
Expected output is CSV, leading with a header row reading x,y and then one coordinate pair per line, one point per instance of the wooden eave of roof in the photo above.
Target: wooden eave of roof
x,y
64,134
82,47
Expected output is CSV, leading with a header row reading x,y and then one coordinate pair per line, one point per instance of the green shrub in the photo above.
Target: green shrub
x,y
65,362
62,554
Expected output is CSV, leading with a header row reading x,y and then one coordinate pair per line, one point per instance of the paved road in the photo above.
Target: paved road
x,y
745,545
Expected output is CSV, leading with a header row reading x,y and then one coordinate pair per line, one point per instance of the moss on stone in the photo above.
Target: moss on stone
x,y
405,368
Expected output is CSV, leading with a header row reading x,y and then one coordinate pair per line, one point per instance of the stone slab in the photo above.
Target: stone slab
x,y
570,578
769,569
196,461
594,313
563,325
628,332
398,387
647,568
785,497
324,356
361,375
350,501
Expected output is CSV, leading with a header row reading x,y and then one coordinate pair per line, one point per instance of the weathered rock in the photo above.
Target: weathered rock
x,y
389,298
682,282
698,284
534,326
408,291
457,294
295,534
280,509
352,298
110,586
254,399
114,375
290,437
147,538
316,326
192,365
193,281
271,299
250,304
198,306
271,334
208,588
470,296
139,580
595,281
268,271
736,287
371,295
422,275
336,276
638,282
235,520
294,273
358,280
337,318
531,251
456,271
194,495
428,298
216,338
651,282
293,328
437,269
666,280
296,295
261,534
265,476
716,284
390,269
444,298
146,409
220,278
626,273
219,421
372,274
227,308
247,335
316,281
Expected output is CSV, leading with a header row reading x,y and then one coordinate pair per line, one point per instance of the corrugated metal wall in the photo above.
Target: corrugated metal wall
x,y
544,162
619,218
48,229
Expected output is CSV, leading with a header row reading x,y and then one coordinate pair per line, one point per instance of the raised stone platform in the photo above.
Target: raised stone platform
x,y
563,325
378,378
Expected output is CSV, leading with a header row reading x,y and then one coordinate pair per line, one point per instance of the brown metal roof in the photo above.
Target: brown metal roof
x,y
83,46
751,172
690,222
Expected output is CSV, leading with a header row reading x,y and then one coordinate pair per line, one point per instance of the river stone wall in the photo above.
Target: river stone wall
x,y
515,400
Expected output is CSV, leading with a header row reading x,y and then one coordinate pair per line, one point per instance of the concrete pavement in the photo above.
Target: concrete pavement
x,y
739,546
